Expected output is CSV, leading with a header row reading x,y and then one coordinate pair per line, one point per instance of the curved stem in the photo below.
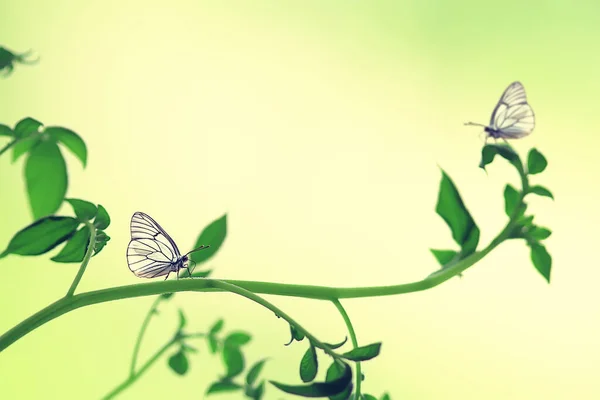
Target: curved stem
x,y
352,334
86,259
8,146
138,342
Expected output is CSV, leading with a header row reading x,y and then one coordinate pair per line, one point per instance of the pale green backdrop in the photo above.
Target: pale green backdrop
x,y
318,126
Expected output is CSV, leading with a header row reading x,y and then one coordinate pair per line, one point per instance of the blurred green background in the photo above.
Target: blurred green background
x,y
318,127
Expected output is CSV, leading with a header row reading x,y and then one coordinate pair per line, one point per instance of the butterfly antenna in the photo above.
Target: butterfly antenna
x,y
474,123
197,249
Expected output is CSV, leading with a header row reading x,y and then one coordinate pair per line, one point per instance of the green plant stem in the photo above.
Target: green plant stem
x,y
138,342
8,146
74,302
352,334
86,259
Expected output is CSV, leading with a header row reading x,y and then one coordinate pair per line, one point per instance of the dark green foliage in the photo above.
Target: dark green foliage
x,y
541,191
336,345
296,335
385,396
23,146
8,59
536,162
101,240
236,339
75,249
542,261
539,233
338,380
178,362
27,127
363,353
102,220
214,236
41,236
309,365
254,371
6,131
444,256
489,152
511,199
368,397
84,210
216,328
223,386
70,140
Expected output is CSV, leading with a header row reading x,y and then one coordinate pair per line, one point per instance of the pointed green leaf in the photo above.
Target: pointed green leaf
x,y
75,249
101,240
541,191
536,162
338,382
233,360
166,296
363,353
309,365
443,256
368,397
296,335
46,178
223,386
489,151
216,328
542,261
236,339
179,363
256,393
6,131
334,372
385,396
41,236
102,220
84,210
23,146
452,209
214,236
26,127
71,140
255,371
539,233
213,344
511,199
337,345
182,320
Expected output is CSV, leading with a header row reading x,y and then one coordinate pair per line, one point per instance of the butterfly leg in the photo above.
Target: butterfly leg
x,y
167,277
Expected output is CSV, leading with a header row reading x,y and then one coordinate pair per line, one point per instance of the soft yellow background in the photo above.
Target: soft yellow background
x,y
318,126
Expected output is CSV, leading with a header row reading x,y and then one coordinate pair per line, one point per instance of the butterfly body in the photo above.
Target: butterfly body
x,y
151,251
512,117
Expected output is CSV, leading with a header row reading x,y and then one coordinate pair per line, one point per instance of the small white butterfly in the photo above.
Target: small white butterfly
x,y
151,251
513,117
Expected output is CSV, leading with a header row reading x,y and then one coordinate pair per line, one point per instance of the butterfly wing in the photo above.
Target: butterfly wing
x,y
151,251
513,117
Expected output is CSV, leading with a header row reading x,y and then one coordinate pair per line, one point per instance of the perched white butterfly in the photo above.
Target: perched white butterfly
x,y
513,117
151,251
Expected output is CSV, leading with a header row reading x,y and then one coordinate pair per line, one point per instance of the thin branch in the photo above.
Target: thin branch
x,y
138,342
352,334
86,259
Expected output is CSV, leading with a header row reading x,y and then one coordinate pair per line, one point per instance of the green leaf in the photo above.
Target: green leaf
x,y
26,127
443,256
489,151
237,339
214,236
368,397
233,360
179,363
182,320
102,220
101,240
542,261
296,335
71,140
256,393
23,146
539,233
84,210
337,345
223,386
216,328
536,162
511,199
166,296
213,344
46,178
337,382
255,371
6,131
334,372
452,209
41,236
75,249
363,353
385,396
541,191
309,365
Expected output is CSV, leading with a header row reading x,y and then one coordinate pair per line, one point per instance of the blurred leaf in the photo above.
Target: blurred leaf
x,y
541,191
237,339
213,344
255,393
71,140
337,382
511,199
443,256
75,249
539,233
214,236
363,353
216,328
101,240
41,236
234,361
102,220
452,209
296,335
309,365
536,162
26,127
46,178
223,386
368,397
6,131
188,349
179,363
166,296
254,372
489,151
525,220
84,210
542,261
385,396
23,146
182,320
337,345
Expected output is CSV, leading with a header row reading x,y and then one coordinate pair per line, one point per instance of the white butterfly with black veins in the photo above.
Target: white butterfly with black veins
x,y
151,251
513,117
